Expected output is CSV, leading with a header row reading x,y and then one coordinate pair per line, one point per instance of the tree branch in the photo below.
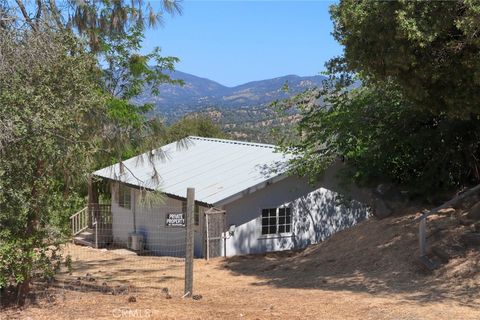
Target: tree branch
x,y
56,13
39,11
21,6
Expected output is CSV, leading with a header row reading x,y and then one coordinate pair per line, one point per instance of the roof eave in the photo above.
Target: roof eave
x,y
170,195
250,190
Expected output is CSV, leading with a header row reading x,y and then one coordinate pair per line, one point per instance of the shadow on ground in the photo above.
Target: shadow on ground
x,y
111,271
374,257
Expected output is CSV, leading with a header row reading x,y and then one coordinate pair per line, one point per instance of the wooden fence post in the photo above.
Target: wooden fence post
x,y
423,236
207,235
189,242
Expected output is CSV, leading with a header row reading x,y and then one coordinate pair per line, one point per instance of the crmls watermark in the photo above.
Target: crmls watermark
x,y
126,313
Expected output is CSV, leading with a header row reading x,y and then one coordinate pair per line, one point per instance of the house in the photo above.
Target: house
x,y
264,208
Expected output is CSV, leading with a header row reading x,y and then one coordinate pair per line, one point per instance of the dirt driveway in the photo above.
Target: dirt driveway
x,y
370,278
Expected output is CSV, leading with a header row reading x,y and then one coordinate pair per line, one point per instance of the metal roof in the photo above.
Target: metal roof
x,y
220,170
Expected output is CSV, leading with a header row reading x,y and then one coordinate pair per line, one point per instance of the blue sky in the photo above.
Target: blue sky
x,y
233,42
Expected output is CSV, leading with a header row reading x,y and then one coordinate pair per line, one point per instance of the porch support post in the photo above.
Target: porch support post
x,y
225,234
92,200
207,237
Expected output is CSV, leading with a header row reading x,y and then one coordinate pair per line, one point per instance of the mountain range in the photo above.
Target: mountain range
x,y
199,93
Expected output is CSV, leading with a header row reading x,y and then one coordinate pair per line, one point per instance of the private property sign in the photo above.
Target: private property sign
x,y
175,220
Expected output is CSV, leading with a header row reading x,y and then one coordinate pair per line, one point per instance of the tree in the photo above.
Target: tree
x,y
127,74
194,126
52,116
385,138
415,119
96,19
115,31
61,117
428,49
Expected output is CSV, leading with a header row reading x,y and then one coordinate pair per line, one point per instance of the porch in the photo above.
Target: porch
x,y
92,226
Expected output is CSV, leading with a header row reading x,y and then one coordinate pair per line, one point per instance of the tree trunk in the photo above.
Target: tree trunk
x,y
32,226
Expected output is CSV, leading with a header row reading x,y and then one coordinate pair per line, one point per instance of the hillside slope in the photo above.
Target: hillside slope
x,y
198,93
377,257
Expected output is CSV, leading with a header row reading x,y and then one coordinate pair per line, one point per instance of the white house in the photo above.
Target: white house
x,y
265,209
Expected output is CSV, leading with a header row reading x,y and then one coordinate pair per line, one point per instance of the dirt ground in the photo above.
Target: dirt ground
x,y
367,272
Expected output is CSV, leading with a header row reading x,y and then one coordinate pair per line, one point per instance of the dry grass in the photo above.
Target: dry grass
x,y
367,272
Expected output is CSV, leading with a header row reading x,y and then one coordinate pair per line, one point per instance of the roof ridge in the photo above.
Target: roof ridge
x,y
253,144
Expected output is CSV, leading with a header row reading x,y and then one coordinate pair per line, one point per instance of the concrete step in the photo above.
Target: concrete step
x,y
83,241
87,238
88,233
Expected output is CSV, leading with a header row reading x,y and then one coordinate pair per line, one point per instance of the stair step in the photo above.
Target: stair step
x,y
86,236
83,241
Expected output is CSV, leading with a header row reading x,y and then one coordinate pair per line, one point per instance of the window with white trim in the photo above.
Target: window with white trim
x,y
276,220
124,197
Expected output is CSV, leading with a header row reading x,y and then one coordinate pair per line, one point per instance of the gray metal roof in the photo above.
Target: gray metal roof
x,y
220,170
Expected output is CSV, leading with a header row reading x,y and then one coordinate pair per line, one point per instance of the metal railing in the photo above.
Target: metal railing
x,y
79,221
97,217
101,223
102,213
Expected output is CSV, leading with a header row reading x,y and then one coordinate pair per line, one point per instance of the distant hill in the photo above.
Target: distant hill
x,y
199,93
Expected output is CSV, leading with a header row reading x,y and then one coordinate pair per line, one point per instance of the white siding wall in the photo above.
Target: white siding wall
x,y
245,213
160,239
316,215
150,222
321,213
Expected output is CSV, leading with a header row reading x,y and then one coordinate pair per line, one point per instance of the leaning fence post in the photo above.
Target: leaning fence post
x,y
423,237
189,242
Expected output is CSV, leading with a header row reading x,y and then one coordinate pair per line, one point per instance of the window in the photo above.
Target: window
x,y
196,215
124,197
284,220
276,220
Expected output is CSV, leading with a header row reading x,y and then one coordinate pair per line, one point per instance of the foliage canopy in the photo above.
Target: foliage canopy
x,y
384,138
62,115
429,49
51,117
402,104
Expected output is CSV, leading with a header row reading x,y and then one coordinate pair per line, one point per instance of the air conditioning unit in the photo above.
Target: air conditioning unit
x,y
135,241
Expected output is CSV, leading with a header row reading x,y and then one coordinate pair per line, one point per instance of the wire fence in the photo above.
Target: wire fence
x,y
132,250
